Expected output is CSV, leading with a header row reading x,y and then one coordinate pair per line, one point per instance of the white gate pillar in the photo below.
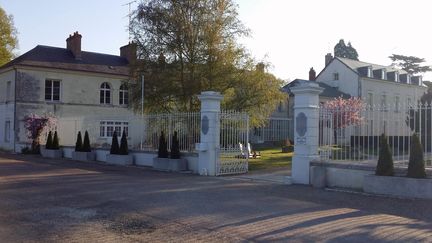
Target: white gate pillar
x,y
210,132
306,129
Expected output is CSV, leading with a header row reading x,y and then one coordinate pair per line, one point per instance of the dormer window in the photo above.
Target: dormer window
x,y
335,76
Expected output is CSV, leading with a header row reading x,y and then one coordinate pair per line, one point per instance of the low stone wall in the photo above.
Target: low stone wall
x,y
362,177
141,158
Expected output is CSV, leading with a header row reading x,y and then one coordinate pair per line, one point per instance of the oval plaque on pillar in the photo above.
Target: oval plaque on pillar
x,y
301,127
204,125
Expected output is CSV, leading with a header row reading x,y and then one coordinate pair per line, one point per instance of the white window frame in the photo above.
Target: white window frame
x,y
51,98
397,104
105,94
7,131
107,128
124,95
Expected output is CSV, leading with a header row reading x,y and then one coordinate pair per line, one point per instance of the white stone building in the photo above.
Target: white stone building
x,y
84,90
386,90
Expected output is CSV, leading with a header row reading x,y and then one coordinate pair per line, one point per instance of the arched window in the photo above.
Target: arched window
x,y
105,94
123,95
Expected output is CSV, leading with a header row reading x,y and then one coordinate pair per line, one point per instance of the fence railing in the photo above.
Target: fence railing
x,y
143,133
275,129
352,133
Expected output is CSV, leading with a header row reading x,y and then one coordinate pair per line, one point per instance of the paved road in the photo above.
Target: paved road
x,y
66,201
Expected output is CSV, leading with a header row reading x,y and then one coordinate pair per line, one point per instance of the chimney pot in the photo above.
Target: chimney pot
x,y
312,74
73,44
129,52
328,59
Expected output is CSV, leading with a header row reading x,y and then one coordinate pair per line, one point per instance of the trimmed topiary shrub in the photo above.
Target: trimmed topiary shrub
x,y
175,148
78,143
114,144
416,165
56,143
49,142
385,160
124,150
163,148
86,146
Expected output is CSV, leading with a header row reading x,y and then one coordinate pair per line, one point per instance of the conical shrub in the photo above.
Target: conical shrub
x,y
78,143
49,141
175,148
114,144
416,165
385,160
86,146
162,149
56,143
124,150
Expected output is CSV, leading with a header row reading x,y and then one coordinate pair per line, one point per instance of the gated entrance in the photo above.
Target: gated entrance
x,y
233,152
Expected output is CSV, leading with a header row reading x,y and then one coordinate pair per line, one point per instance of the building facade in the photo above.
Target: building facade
x,y
83,90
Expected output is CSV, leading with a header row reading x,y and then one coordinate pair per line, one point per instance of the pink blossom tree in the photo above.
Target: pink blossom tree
x,y
344,112
36,125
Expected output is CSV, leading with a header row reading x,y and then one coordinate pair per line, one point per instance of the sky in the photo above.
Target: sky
x,y
292,35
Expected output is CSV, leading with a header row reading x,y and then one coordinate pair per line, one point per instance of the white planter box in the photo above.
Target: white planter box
x,y
84,156
117,159
161,164
51,153
398,186
177,164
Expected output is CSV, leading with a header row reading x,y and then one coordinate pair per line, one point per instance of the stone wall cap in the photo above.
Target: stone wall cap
x,y
210,95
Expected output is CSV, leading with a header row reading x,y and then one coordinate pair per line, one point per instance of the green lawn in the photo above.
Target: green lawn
x,y
270,158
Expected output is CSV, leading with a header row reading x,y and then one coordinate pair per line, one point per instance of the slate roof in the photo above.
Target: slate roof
x,y
61,58
329,92
354,65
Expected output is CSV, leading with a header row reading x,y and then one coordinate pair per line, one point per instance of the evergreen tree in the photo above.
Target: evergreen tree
x,y
345,51
124,144
175,148
416,165
162,150
114,144
86,146
56,144
385,160
410,64
49,141
78,144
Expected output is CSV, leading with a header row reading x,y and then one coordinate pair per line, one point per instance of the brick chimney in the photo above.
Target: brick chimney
x,y
129,52
328,59
312,74
73,44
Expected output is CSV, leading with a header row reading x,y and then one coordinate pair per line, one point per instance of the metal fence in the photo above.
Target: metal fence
x,y
142,132
234,139
352,134
274,130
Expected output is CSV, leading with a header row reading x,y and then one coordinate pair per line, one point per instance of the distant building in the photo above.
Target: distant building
x,y
78,87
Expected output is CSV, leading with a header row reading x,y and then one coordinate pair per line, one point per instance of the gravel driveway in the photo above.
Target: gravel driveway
x,y
44,200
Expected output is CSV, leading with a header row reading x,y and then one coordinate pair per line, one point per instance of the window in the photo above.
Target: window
x,y
335,76
123,95
52,90
397,104
384,102
8,90
370,100
409,104
105,93
107,128
280,107
7,132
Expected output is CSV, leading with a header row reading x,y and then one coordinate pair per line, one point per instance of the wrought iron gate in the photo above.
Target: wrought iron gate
x,y
233,153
